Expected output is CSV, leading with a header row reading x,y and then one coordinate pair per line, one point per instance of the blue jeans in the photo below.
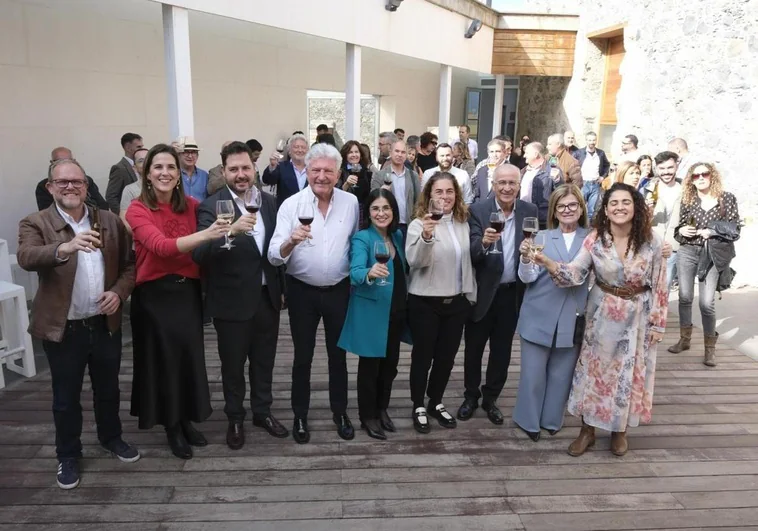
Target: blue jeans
x,y
688,256
591,193
670,269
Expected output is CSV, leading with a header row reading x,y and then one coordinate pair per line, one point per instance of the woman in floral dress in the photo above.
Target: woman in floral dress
x,y
626,317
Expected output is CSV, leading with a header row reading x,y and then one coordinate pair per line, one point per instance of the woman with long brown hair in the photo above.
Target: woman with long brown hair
x,y
355,176
462,158
704,205
441,291
170,384
613,382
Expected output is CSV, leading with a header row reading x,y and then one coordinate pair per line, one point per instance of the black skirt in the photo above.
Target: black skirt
x,y
170,382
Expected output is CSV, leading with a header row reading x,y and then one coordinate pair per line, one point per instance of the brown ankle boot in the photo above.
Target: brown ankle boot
x,y
710,350
585,440
685,337
619,444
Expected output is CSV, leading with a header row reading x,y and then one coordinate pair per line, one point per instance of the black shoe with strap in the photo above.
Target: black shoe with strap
x,y
444,418
421,420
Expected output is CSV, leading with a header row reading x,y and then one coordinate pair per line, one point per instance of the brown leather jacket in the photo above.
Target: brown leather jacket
x,y
572,172
39,236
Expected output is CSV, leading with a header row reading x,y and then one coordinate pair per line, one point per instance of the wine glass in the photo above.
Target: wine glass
x,y
530,226
354,169
436,210
497,222
388,179
382,255
225,212
305,216
280,145
538,243
253,199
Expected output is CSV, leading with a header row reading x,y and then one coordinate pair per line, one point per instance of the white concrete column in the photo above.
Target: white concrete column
x,y
353,92
497,115
176,45
446,88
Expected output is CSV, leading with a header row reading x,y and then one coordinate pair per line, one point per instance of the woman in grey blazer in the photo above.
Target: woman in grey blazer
x,y
548,317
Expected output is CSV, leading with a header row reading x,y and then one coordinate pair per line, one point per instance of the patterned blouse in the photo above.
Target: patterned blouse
x,y
693,214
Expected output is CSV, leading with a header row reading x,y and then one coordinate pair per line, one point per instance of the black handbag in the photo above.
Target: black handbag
x,y
580,324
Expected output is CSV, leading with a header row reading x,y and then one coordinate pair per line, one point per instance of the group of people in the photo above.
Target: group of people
x,y
380,256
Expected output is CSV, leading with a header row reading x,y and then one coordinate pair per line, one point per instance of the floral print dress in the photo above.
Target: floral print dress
x,y
613,381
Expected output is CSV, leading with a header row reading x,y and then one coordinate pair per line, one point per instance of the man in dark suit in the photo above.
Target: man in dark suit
x,y
595,167
243,296
481,181
499,292
45,198
289,176
123,173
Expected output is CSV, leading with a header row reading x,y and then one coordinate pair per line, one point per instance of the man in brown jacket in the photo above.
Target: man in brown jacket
x,y
572,172
84,278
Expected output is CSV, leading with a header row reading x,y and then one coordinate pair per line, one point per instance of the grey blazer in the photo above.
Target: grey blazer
x,y
412,188
121,175
548,310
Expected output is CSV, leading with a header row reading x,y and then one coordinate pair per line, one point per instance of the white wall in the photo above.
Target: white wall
x,y
82,77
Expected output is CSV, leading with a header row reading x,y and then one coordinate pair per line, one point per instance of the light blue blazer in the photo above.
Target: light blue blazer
x,y
549,311
368,313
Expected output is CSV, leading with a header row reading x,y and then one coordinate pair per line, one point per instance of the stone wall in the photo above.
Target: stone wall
x,y
690,71
540,107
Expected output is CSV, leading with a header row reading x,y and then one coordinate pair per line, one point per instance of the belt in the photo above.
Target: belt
x,y
624,292
507,285
88,322
319,288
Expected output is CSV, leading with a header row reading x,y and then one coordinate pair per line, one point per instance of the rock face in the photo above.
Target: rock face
x,y
690,71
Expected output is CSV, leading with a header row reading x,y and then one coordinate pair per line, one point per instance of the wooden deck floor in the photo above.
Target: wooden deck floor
x,y
694,467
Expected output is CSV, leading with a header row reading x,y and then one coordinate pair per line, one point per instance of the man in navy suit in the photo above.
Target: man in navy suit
x,y
289,176
595,166
495,315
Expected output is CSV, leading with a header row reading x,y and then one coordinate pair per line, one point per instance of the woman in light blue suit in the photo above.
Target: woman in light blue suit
x,y
548,317
376,318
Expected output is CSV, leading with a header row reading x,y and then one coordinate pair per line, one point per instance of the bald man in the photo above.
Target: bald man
x,y
569,139
45,199
686,160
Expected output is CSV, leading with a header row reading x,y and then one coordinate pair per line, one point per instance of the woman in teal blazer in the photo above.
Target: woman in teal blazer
x,y
376,319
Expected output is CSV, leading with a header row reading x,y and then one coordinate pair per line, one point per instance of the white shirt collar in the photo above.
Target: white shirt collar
x,y
130,161
69,219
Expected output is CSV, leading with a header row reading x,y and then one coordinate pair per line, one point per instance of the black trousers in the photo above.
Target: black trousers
x,y
497,326
86,344
375,375
307,305
436,328
253,340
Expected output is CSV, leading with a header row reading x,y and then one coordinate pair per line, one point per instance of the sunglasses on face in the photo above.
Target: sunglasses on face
x,y
703,175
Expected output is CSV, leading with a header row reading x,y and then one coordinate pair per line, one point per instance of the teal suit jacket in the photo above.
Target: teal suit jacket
x,y
368,314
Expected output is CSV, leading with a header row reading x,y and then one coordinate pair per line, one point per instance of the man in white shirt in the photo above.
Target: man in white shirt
x,y
629,150
243,295
664,196
85,276
464,134
318,283
133,191
445,161
122,173
595,166
402,182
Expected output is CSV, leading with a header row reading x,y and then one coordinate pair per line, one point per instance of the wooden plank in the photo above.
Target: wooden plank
x,y
717,500
595,503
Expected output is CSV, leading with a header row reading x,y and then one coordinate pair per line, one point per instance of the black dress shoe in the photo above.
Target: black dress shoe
x,y
271,425
235,435
533,435
493,413
300,431
421,420
178,443
374,429
466,411
386,421
194,437
551,432
344,427
444,418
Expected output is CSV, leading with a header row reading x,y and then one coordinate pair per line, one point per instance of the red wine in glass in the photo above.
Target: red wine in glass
x,y
382,255
252,209
497,226
436,216
305,221
529,233
382,258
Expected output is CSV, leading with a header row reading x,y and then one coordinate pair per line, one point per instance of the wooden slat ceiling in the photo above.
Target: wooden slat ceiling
x,y
533,53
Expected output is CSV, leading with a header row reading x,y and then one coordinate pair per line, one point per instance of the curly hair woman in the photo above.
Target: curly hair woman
x,y
704,202
612,387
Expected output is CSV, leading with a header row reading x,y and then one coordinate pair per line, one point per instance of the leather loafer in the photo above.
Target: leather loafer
x,y
386,421
374,429
178,443
194,437
533,435
344,427
493,413
271,425
300,431
235,435
421,420
466,411
444,418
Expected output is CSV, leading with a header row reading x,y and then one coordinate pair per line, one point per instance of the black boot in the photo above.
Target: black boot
x,y
194,437
178,443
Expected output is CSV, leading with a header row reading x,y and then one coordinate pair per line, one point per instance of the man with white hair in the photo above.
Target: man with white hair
x,y
561,158
569,140
290,176
312,238
386,139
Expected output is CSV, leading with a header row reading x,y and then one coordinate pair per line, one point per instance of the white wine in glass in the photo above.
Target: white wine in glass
x,y
538,243
225,212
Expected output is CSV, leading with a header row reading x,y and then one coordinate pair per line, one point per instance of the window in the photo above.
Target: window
x,y
329,108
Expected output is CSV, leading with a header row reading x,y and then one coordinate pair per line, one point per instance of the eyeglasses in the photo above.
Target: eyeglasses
x,y
190,153
62,184
503,184
571,207
704,175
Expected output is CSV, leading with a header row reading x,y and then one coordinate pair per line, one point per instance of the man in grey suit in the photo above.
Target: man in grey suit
x,y
123,172
402,182
499,292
